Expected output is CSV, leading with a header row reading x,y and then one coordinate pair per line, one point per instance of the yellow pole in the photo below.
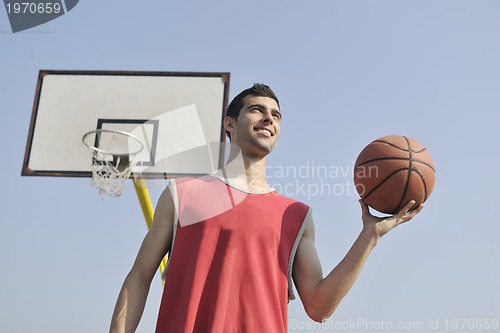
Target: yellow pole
x,y
147,209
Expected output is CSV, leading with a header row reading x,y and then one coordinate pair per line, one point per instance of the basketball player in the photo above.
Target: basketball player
x,y
235,244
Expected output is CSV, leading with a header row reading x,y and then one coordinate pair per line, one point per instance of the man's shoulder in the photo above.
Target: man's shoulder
x,y
193,181
198,186
287,198
291,202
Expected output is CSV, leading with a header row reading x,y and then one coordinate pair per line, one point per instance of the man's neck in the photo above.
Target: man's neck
x,y
247,172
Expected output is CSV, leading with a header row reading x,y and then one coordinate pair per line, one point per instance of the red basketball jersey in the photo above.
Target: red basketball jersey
x,y
231,259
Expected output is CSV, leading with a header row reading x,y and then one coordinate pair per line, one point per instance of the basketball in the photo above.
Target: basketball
x,y
393,170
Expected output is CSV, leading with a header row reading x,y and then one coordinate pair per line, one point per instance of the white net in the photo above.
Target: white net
x,y
111,168
110,178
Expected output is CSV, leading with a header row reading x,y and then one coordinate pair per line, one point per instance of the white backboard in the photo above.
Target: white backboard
x,y
178,116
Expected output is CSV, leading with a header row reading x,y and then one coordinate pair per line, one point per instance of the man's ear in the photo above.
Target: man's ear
x,y
229,124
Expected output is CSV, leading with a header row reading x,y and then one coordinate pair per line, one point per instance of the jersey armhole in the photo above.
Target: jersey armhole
x,y
173,192
291,294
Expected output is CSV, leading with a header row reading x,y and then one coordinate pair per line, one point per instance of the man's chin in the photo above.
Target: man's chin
x,y
260,148
261,151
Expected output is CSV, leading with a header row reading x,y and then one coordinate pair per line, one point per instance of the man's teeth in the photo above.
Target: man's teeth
x,y
264,131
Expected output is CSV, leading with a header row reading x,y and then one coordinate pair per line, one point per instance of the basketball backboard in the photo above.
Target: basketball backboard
x,y
177,116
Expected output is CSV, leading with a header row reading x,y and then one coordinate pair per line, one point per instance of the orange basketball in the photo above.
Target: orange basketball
x,y
393,170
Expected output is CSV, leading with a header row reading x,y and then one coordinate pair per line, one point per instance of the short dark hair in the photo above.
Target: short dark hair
x,y
258,89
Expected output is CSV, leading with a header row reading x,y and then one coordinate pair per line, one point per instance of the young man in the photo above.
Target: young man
x,y
235,244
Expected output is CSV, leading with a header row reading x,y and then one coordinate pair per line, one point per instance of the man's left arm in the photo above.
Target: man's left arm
x,y
321,296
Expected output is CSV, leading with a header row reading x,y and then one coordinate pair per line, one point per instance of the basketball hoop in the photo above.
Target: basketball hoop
x,y
113,155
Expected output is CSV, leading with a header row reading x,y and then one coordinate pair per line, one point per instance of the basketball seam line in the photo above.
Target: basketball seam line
x,y
383,181
403,149
423,182
395,158
410,159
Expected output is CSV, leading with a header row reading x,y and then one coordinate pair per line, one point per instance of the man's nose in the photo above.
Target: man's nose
x,y
268,117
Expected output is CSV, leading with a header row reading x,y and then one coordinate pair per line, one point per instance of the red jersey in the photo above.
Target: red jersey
x,y
231,259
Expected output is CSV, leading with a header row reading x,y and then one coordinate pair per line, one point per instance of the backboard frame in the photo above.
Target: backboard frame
x,y
27,171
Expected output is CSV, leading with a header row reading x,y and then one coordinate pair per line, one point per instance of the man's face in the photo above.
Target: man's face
x,y
258,125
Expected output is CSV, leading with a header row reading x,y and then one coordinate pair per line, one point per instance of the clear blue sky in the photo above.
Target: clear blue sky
x,y
347,72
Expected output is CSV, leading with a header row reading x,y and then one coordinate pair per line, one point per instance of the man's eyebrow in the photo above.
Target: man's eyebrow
x,y
263,107
257,106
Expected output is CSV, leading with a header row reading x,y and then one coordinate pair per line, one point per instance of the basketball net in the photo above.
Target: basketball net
x,y
111,169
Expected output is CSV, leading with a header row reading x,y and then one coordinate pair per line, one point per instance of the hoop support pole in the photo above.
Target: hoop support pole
x,y
147,209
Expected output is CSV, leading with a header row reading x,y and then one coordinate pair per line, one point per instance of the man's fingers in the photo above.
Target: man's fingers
x,y
406,214
364,207
417,210
408,205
